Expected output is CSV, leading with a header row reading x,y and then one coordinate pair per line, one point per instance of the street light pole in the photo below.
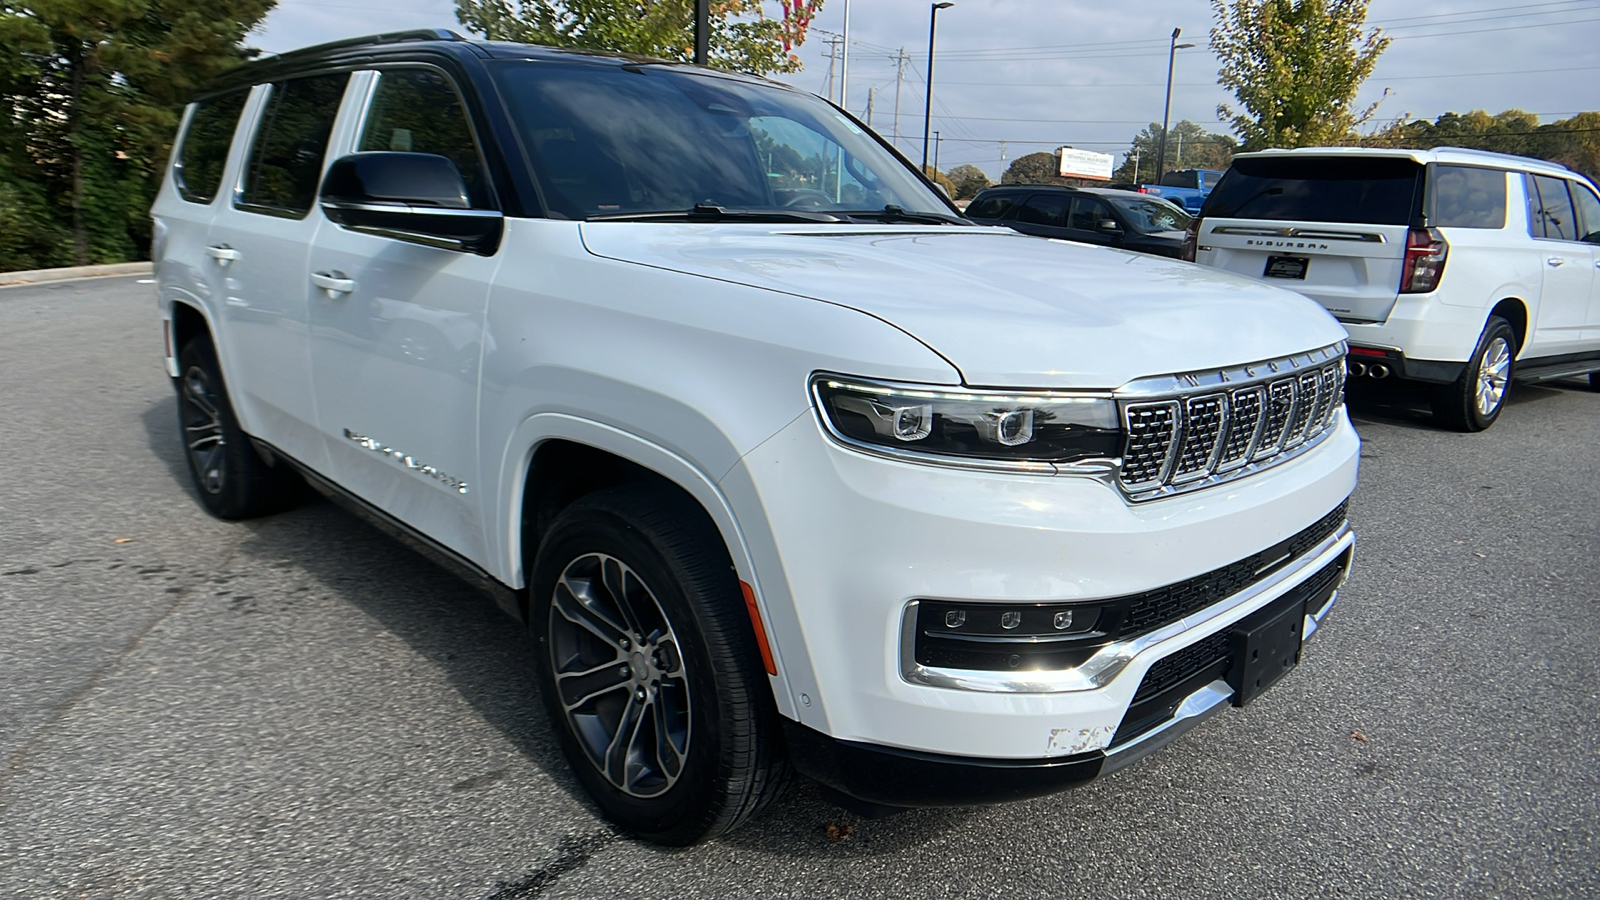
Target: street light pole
x,y
702,31
927,109
1166,111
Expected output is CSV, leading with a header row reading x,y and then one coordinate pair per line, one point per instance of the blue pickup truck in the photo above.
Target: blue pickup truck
x,y
1186,187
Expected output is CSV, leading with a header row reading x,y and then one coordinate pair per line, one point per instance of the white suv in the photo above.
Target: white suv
x,y
1455,267
782,461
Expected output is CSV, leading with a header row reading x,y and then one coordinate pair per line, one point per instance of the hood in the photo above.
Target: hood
x,y
1006,309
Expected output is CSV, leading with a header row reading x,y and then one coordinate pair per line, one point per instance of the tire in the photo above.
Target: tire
x,y
233,481
1473,402
641,628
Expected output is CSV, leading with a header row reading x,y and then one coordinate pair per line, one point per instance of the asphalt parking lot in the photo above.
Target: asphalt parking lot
x,y
300,707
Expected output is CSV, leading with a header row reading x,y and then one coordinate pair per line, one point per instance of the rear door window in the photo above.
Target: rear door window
x,y
991,207
204,150
1588,213
1468,197
1554,210
1044,209
1352,190
285,162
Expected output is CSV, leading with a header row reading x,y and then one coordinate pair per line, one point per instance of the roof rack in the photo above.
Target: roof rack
x,y
388,37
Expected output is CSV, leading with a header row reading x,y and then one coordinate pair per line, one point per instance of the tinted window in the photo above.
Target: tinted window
x,y
1468,197
1364,190
1087,213
1588,212
286,160
1045,209
1150,215
1555,209
204,150
608,140
419,111
992,207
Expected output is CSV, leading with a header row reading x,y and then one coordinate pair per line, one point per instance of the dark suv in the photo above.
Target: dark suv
x,y
1102,216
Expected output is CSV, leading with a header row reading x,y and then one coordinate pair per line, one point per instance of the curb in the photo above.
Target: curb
x,y
38,276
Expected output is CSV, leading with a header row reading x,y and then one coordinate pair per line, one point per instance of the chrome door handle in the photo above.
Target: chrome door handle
x,y
1555,261
333,283
222,253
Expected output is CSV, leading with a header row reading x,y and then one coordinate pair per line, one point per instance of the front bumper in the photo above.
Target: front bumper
x,y
843,543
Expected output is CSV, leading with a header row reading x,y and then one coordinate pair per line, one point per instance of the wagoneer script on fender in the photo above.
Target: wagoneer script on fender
x,y
785,465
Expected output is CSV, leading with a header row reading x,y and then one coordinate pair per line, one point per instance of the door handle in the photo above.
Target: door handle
x,y
1556,261
333,283
222,253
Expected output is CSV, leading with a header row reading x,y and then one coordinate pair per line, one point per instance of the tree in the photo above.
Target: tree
x,y
743,37
968,180
1573,142
91,92
1036,168
1295,67
1188,147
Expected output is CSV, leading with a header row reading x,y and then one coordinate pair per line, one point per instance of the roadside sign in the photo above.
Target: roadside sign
x,y
1086,164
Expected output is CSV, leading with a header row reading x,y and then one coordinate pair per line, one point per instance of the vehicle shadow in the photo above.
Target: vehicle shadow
x,y
487,659
1407,404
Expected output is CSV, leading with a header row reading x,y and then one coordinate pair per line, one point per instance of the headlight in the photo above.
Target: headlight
x,y
1010,430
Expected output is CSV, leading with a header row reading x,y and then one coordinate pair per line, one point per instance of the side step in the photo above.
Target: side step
x,y
1535,374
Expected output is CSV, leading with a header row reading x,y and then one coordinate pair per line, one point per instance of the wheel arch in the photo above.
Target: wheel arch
x,y
1515,311
555,459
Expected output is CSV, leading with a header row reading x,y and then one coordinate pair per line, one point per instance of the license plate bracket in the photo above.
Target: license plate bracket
x,y
1293,267
1265,646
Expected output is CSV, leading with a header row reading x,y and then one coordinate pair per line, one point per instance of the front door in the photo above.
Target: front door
x,y
397,332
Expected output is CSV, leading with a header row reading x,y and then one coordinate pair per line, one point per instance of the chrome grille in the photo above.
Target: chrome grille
x,y
1211,429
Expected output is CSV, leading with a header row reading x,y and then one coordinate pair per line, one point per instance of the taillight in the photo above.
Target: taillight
x,y
1191,241
1425,252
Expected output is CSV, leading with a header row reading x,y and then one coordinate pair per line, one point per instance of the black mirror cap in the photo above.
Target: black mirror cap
x,y
414,179
417,197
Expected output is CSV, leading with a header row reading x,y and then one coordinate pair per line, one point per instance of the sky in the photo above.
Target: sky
x,y
1013,77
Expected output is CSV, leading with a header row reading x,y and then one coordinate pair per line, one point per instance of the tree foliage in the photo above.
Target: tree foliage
x,y
1295,67
940,178
1036,168
1573,142
92,92
968,180
743,37
1189,146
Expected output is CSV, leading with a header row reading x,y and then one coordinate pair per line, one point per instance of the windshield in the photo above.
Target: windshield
x,y
1148,214
609,140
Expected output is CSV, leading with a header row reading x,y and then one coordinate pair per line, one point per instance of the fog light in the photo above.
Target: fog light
x,y
1063,620
955,618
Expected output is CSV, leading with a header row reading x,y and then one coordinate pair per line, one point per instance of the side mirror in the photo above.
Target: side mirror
x,y
1108,226
416,197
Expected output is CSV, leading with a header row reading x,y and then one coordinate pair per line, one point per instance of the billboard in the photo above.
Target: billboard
x,y
1086,164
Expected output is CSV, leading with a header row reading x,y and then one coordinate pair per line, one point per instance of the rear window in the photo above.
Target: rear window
x,y
1468,197
990,207
1351,190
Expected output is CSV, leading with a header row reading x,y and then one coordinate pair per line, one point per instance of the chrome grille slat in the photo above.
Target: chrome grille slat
x,y
1181,441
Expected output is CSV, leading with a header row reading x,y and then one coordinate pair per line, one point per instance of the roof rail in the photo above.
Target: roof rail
x,y
389,37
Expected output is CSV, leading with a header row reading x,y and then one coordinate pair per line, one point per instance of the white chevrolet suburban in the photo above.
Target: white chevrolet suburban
x,y
1457,268
785,465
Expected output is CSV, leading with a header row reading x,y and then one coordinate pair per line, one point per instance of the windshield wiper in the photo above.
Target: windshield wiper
x,y
892,213
710,212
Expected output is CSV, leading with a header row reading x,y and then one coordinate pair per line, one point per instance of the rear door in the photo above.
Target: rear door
x,y
1568,268
259,243
1588,204
1333,228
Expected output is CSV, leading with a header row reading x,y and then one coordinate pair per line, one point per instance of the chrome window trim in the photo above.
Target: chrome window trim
x,y
1364,237
1112,659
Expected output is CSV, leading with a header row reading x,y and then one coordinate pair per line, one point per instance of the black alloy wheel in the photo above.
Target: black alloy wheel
x,y
649,669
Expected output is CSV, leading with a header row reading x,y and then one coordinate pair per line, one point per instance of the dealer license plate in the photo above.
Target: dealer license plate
x,y
1286,267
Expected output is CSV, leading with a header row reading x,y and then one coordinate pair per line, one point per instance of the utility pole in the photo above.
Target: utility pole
x,y
702,31
936,152
1002,174
832,56
844,61
899,76
872,93
1179,163
1136,167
